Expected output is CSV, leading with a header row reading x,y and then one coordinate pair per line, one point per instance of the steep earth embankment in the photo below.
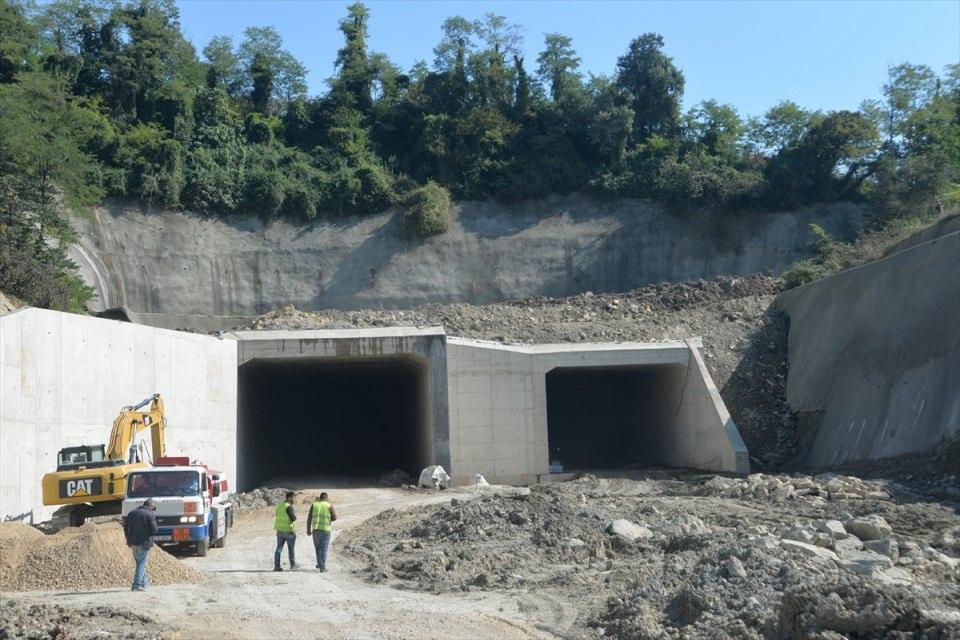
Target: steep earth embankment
x,y
179,263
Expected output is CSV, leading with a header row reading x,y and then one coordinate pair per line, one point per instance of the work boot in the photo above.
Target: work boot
x,y
294,567
277,568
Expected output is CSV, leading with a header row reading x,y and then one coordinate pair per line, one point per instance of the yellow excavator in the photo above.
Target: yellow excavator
x,y
91,480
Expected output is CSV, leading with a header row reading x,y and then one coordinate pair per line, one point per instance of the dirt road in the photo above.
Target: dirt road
x,y
241,597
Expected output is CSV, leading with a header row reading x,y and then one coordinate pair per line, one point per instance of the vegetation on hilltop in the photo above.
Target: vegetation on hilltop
x,y
105,97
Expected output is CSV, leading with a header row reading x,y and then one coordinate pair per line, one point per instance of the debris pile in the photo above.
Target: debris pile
x,y
258,498
678,554
94,555
54,622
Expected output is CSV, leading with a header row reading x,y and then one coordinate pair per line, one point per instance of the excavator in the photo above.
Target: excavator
x,y
91,480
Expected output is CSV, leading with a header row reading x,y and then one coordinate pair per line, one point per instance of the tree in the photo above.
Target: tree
x,y
288,75
558,64
654,86
17,40
782,126
717,127
262,75
353,84
223,65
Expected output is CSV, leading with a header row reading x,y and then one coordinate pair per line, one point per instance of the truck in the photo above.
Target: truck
x,y
90,480
192,501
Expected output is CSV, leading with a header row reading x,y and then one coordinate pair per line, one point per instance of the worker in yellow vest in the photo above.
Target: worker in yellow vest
x,y
283,525
319,524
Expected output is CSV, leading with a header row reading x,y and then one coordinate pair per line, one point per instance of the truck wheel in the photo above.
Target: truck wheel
x,y
202,547
78,515
221,543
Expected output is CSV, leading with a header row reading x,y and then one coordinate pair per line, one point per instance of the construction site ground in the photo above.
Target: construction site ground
x,y
632,554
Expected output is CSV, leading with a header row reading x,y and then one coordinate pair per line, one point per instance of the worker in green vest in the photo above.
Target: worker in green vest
x,y
319,521
283,525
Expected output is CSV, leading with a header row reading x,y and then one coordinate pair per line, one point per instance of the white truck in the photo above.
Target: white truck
x,y
193,506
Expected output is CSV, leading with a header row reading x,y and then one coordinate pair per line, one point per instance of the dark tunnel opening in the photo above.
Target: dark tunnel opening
x,y
331,417
608,417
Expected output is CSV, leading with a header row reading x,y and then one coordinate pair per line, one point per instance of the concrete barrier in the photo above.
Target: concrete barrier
x,y
64,378
875,355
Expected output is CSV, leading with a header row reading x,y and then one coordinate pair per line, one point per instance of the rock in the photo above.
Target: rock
x,y
734,568
799,534
872,527
932,554
575,542
519,518
851,543
832,528
809,550
864,562
628,531
888,548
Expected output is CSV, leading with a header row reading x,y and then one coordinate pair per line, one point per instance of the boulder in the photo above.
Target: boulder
x,y
864,562
734,568
832,528
888,548
809,550
872,527
628,531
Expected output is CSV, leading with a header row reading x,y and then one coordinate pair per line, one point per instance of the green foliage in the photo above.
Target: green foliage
x,y
426,210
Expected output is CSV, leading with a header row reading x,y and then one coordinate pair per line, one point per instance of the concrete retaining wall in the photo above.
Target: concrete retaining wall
x,y
168,263
875,353
65,377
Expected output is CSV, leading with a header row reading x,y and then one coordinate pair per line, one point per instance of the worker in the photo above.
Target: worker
x,y
139,527
283,525
319,520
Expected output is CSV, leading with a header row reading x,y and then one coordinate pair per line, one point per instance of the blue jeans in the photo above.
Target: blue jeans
x,y
321,542
140,553
288,539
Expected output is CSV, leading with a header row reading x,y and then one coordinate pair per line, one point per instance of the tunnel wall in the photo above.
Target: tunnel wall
x,y
426,345
875,355
498,407
64,378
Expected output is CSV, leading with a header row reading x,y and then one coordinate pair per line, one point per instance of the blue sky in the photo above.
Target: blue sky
x,y
823,55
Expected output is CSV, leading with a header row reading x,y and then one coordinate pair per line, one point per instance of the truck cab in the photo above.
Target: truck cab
x,y
193,507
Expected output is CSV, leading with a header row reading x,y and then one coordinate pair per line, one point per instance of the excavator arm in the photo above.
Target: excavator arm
x,y
131,421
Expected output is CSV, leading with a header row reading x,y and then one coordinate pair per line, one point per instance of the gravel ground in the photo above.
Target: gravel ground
x,y
54,622
662,554
745,343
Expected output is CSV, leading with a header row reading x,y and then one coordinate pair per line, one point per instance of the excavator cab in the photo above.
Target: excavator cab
x,y
90,480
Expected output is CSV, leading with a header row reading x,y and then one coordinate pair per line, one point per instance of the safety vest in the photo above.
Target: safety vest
x,y
282,522
321,516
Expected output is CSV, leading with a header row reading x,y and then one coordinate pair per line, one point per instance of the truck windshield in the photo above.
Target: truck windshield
x,y
152,484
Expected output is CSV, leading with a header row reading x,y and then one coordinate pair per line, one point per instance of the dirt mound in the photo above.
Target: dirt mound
x,y
94,555
744,342
671,554
43,621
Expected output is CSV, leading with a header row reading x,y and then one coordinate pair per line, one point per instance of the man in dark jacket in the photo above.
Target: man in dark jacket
x,y
139,527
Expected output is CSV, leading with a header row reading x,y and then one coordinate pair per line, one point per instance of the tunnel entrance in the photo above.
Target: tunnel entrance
x,y
332,416
607,417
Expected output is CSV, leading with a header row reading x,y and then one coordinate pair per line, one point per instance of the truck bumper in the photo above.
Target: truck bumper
x,y
181,534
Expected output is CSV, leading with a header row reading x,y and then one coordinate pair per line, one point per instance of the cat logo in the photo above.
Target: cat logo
x,y
80,488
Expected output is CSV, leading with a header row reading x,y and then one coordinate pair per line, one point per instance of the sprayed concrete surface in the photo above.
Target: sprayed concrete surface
x,y
183,264
875,355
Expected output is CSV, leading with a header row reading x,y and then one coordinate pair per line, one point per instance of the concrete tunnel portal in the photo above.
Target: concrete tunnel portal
x,y
610,417
356,417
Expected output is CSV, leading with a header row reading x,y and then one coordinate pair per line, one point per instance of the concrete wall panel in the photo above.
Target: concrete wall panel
x,y
64,377
875,354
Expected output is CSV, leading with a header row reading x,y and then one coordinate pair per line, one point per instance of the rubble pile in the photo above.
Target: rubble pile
x,y
54,622
258,498
681,555
744,341
94,555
